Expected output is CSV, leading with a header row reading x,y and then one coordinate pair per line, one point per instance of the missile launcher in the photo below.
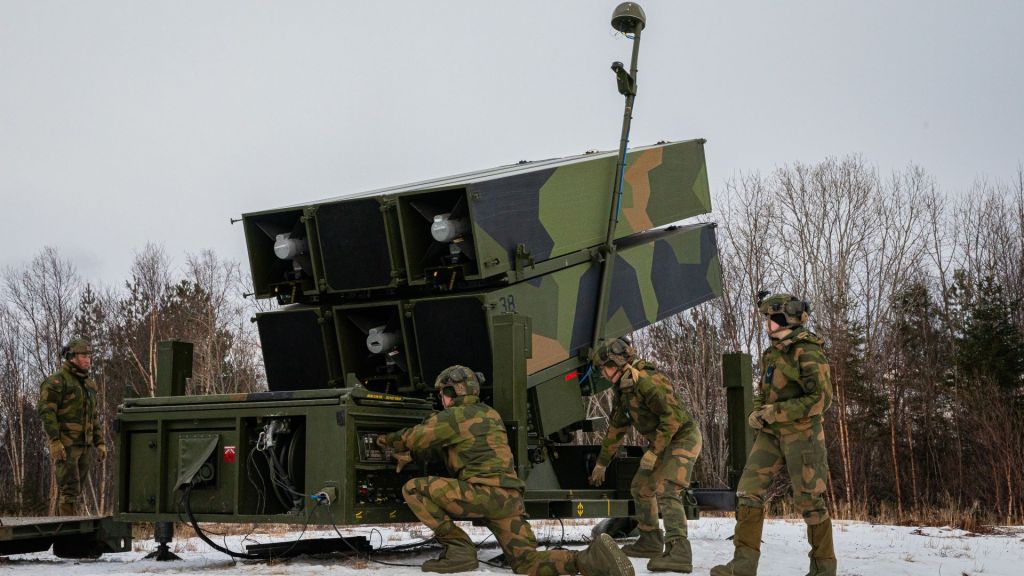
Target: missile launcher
x,y
517,272
343,366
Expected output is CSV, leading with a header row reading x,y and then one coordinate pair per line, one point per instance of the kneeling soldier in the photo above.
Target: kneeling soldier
x,y
473,439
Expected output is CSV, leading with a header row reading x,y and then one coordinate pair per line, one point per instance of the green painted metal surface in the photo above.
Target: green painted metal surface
x,y
737,379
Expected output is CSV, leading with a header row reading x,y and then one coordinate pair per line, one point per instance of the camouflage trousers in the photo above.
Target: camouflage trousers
x,y
71,474
802,453
662,487
436,500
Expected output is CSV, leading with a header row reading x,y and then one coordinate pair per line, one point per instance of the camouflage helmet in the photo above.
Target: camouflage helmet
x,y
784,309
617,353
462,380
76,346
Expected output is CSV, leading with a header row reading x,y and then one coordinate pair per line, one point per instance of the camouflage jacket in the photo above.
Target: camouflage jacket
x,y
644,398
67,407
473,439
795,380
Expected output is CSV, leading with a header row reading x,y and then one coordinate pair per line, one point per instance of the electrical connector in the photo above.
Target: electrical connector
x,y
325,496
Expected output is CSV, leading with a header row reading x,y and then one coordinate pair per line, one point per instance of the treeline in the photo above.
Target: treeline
x,y
920,297
45,302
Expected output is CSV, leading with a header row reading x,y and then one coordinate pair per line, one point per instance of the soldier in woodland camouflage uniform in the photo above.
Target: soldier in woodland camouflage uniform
x,y
67,408
475,444
795,392
645,399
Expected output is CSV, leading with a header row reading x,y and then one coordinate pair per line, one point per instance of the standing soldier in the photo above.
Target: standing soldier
x,y
67,408
485,486
644,398
795,392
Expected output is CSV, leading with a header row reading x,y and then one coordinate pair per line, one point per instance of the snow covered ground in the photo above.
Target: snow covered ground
x,y
863,549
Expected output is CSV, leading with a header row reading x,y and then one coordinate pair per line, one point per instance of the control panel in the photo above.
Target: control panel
x,y
370,452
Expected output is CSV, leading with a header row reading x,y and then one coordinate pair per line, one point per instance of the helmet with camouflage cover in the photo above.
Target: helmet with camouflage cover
x,y
783,309
461,380
615,353
76,346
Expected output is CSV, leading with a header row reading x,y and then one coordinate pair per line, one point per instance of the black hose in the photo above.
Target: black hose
x,y
187,500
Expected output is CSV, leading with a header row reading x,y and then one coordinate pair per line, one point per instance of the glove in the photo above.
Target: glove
x,y
382,441
57,451
648,461
597,476
762,416
754,420
402,458
101,452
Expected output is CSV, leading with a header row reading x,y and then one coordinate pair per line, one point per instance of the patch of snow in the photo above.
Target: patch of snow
x,y
863,549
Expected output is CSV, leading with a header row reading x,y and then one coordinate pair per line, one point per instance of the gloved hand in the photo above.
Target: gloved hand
x,y
754,420
101,452
762,416
597,476
402,458
57,451
648,461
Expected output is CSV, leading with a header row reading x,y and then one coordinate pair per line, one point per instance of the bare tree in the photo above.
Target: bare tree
x,y
228,346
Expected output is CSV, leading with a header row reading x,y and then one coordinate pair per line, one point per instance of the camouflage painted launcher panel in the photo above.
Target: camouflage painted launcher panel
x,y
656,274
472,227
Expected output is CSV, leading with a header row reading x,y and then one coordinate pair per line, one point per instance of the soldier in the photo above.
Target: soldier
x,y
794,393
475,445
644,398
67,408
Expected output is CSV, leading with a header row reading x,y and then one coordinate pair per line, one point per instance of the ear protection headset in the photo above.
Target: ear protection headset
x,y
65,352
618,346
797,307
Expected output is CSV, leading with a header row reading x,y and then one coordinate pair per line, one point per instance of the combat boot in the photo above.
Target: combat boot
x,y
650,544
603,558
677,558
823,553
749,523
458,553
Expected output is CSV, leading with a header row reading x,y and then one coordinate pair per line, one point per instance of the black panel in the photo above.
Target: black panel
x,y
294,350
509,212
452,331
354,245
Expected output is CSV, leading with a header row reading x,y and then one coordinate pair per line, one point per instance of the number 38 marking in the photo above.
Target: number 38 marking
x,y
507,303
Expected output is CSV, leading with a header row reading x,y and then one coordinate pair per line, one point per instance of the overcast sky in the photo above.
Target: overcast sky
x,y
123,122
